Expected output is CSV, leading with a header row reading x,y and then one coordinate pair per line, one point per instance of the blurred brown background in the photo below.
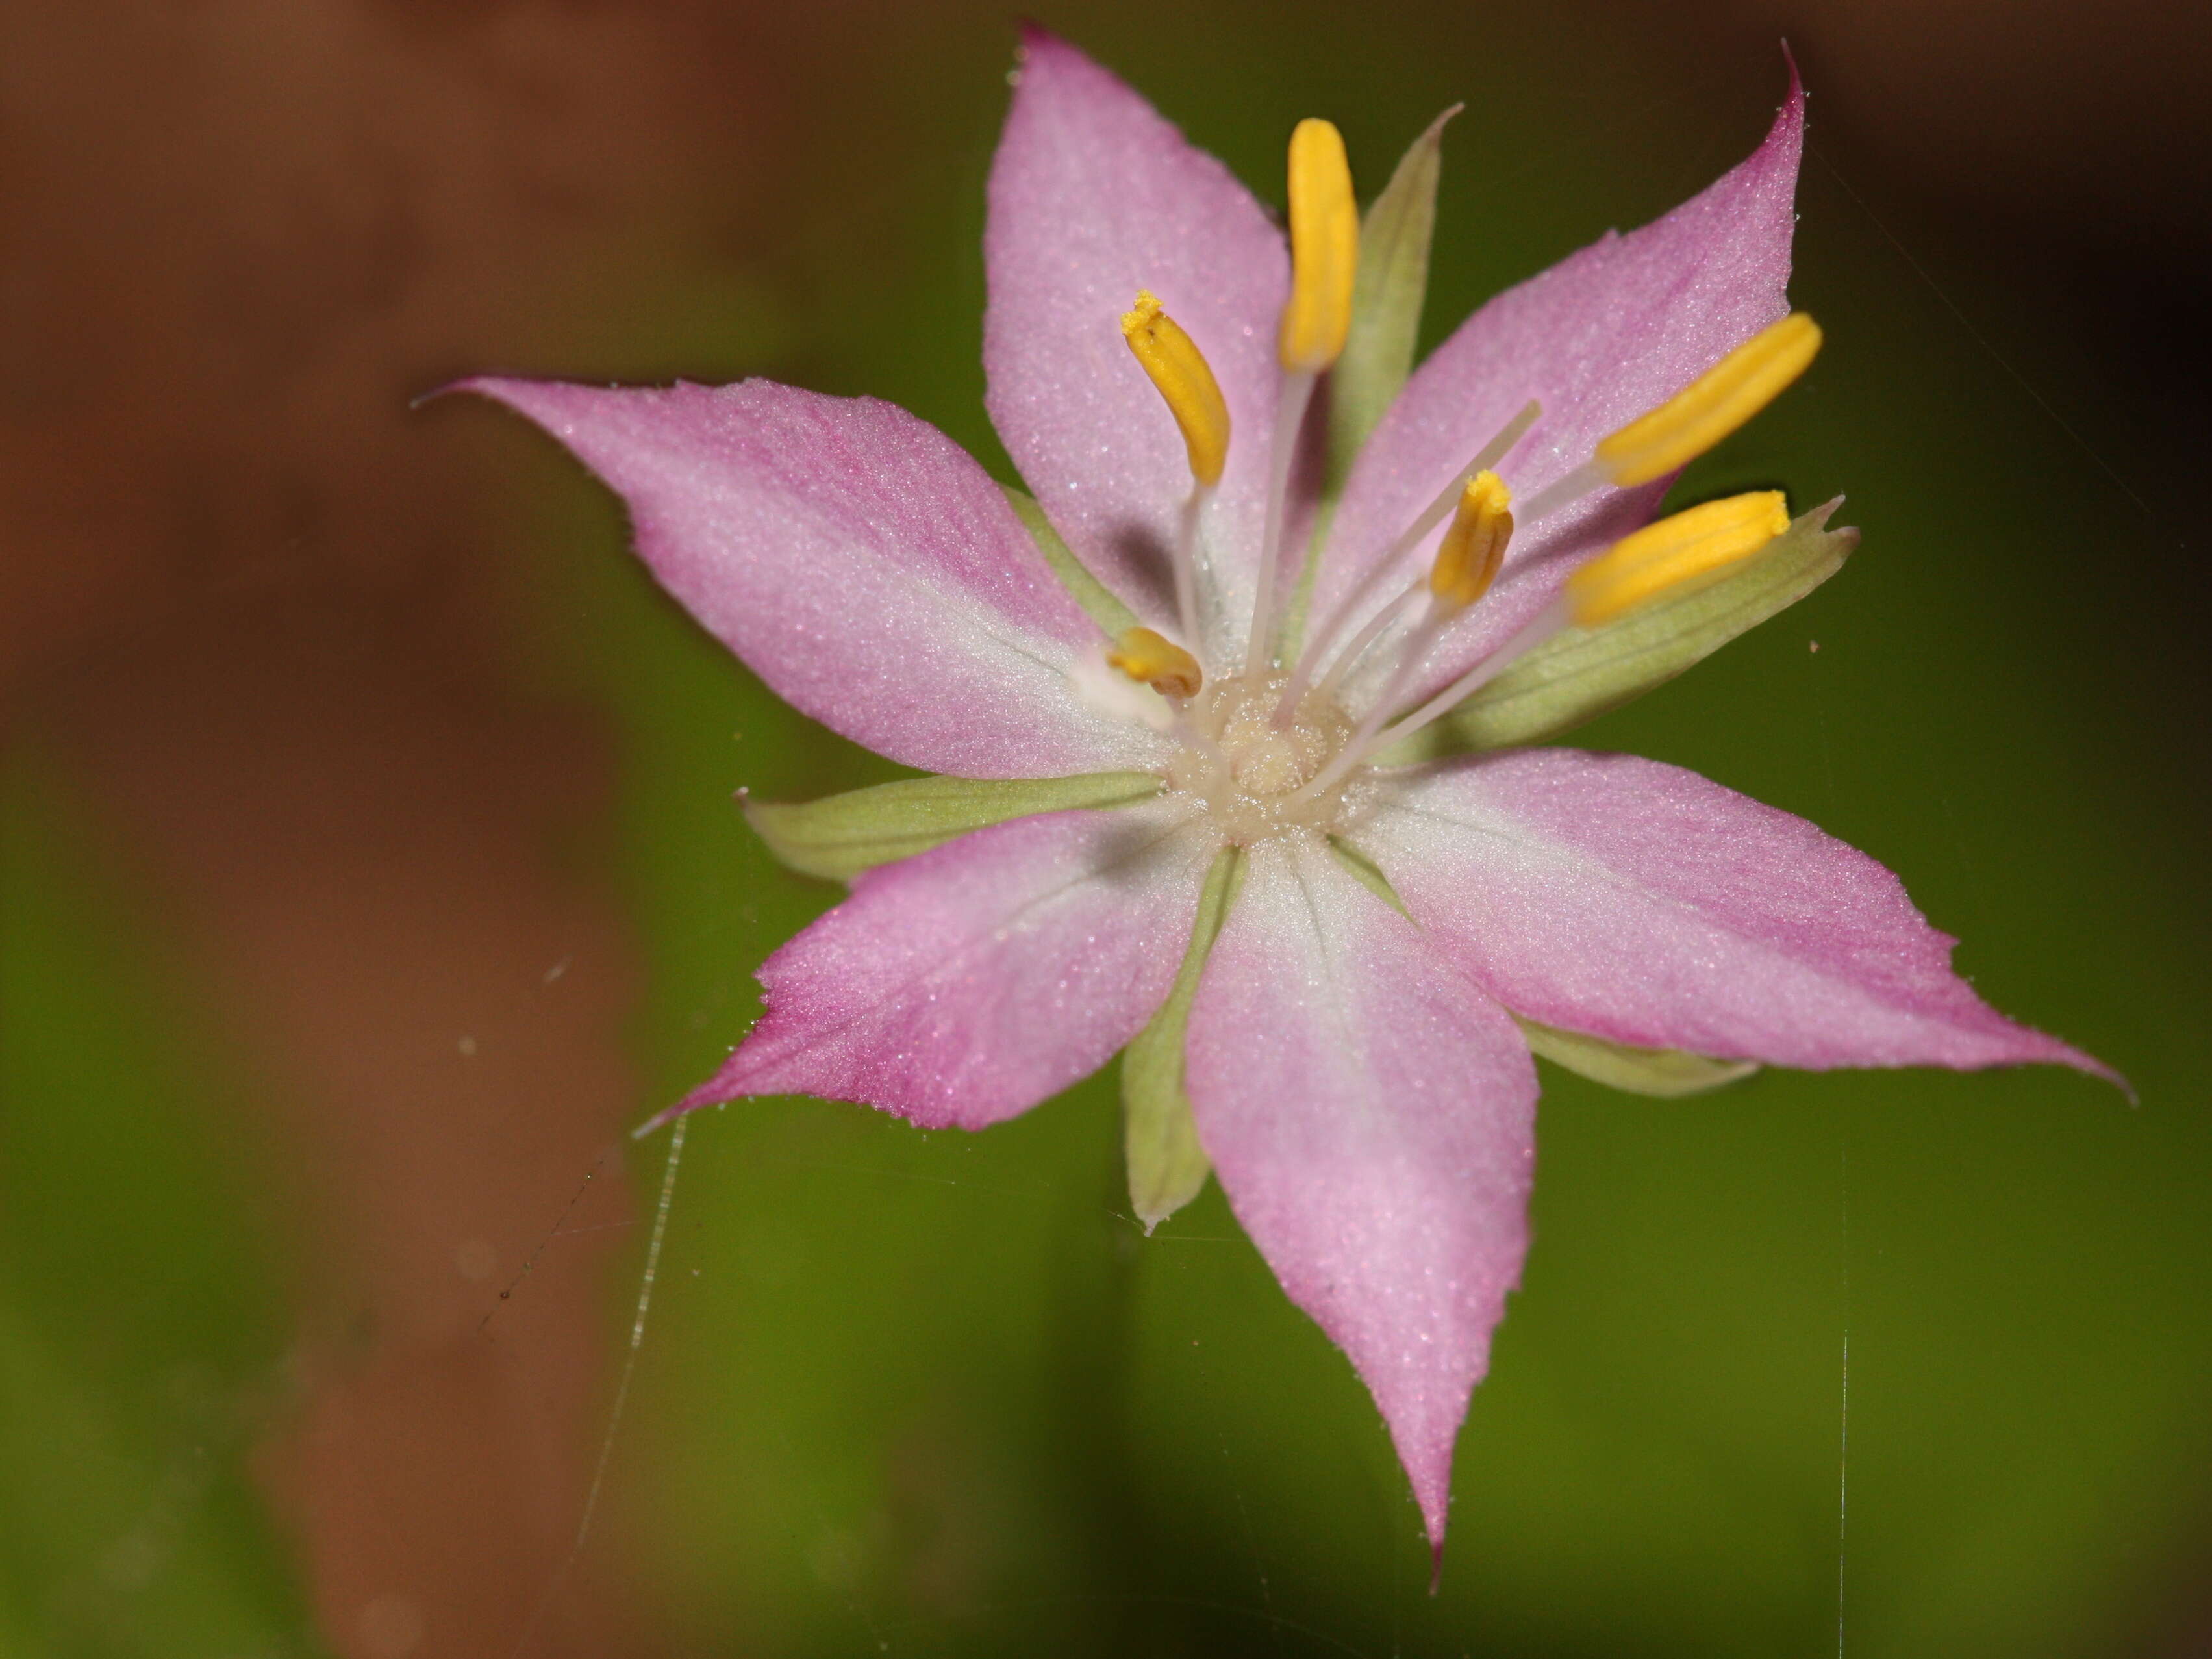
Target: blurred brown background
x,y
258,611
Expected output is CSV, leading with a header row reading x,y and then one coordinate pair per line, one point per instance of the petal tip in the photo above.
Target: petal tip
x,y
1039,47
705,1095
437,392
1788,133
493,387
2089,1065
535,400
2027,1046
1432,1496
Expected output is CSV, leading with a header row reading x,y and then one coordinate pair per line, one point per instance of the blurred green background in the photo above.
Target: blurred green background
x,y
368,866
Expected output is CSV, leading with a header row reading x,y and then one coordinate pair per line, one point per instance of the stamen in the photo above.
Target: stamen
x,y
1157,661
1417,646
1694,419
1324,250
1186,563
1564,491
1488,456
1324,262
1185,381
1290,416
1545,623
1688,547
1378,624
1692,546
1473,549
1466,563
1713,405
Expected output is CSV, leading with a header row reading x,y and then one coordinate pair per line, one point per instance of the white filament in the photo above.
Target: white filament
x,y
1289,417
1447,498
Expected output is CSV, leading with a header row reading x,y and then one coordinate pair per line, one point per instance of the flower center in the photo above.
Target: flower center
x,y
1268,754
1249,770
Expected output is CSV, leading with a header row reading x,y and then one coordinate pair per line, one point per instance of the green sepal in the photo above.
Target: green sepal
x,y
1368,874
840,836
1159,1137
1582,673
1667,1072
1097,599
1386,301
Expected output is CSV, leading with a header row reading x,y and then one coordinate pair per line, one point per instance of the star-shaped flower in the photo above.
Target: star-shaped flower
x,y
1230,716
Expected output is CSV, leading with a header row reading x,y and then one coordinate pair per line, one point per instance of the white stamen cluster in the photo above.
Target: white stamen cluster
x,y
1267,753
1249,770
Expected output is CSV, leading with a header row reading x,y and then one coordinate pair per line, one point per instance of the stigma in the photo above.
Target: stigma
x,y
1250,774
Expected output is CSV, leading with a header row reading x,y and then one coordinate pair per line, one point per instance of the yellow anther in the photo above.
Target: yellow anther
x,y
1714,404
1473,549
1687,548
1156,660
1324,250
1178,368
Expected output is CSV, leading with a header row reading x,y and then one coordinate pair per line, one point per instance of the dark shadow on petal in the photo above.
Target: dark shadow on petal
x,y
1151,560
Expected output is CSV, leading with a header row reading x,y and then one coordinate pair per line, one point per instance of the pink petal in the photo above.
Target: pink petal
x,y
1598,339
1371,1114
1641,903
858,560
1093,196
963,986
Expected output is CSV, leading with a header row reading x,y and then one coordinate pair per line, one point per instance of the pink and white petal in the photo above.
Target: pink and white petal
x,y
1094,196
961,987
1599,338
858,560
1371,1115
1642,904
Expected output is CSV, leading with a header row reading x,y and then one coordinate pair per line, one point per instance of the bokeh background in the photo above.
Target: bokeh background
x,y
368,867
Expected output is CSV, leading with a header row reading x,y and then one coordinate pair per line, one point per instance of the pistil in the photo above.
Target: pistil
x,y
1249,774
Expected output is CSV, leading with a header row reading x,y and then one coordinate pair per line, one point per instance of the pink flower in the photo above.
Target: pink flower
x,y
1181,811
